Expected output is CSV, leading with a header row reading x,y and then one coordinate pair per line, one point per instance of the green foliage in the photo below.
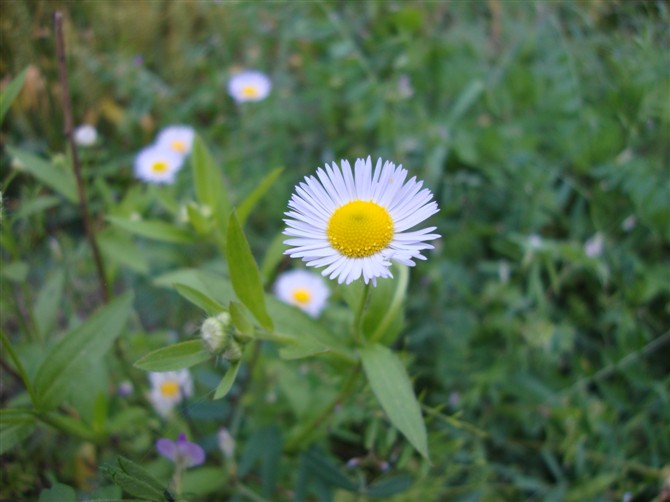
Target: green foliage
x,y
391,385
174,357
533,340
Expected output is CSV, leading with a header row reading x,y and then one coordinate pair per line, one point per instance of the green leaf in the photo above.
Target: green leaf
x,y
244,273
211,307
58,493
14,431
248,204
174,357
389,486
37,205
120,248
209,187
69,358
59,180
384,316
136,471
273,256
228,380
240,320
322,467
144,487
203,481
46,306
390,383
17,271
207,282
157,230
10,92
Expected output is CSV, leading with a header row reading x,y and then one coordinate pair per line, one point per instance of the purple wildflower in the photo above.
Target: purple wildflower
x,y
182,452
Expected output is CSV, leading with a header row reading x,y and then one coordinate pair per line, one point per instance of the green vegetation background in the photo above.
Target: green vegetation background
x,y
546,367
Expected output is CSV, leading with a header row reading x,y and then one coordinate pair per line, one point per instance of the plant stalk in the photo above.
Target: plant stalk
x,y
69,133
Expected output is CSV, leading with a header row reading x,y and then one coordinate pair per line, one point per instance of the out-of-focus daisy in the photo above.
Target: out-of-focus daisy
x,y
178,138
303,289
85,135
156,164
226,442
249,85
182,452
355,223
168,389
594,246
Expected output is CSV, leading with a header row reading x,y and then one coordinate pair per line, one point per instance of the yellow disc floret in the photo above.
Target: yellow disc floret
x,y
159,167
170,388
301,295
178,146
249,91
359,229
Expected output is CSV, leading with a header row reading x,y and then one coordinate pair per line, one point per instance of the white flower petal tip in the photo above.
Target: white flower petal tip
x,y
355,222
305,290
249,85
178,138
157,164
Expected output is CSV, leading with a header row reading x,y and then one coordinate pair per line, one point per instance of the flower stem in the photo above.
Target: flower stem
x,y
293,443
18,365
69,132
358,320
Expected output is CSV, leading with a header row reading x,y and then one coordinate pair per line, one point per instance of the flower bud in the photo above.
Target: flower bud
x,y
215,333
233,352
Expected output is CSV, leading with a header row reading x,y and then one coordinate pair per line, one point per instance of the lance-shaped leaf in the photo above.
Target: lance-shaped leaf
x,y
209,187
59,180
228,380
9,93
252,199
68,360
390,383
157,230
174,357
244,274
199,299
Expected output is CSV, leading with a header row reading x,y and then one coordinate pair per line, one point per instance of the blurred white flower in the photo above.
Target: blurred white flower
x,y
249,85
594,246
168,389
125,388
156,164
305,290
629,223
178,138
503,271
226,442
534,241
85,135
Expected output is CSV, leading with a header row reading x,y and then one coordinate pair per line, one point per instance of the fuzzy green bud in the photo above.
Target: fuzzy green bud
x,y
215,333
234,351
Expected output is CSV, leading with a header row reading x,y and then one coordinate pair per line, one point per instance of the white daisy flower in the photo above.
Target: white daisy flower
x,y
156,164
303,289
355,223
178,138
85,135
168,389
249,85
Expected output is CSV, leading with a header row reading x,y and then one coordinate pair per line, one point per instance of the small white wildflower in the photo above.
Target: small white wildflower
x,y
226,442
355,222
594,246
534,241
178,138
168,389
629,223
156,164
249,85
305,290
85,135
503,272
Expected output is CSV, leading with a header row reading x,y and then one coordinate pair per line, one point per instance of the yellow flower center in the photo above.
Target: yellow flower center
x,y
359,229
159,167
249,91
178,146
302,295
170,388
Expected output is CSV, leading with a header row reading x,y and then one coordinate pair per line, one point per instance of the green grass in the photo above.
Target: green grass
x,y
543,371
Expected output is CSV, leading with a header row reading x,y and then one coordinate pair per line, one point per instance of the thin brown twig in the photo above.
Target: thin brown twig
x,y
69,133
